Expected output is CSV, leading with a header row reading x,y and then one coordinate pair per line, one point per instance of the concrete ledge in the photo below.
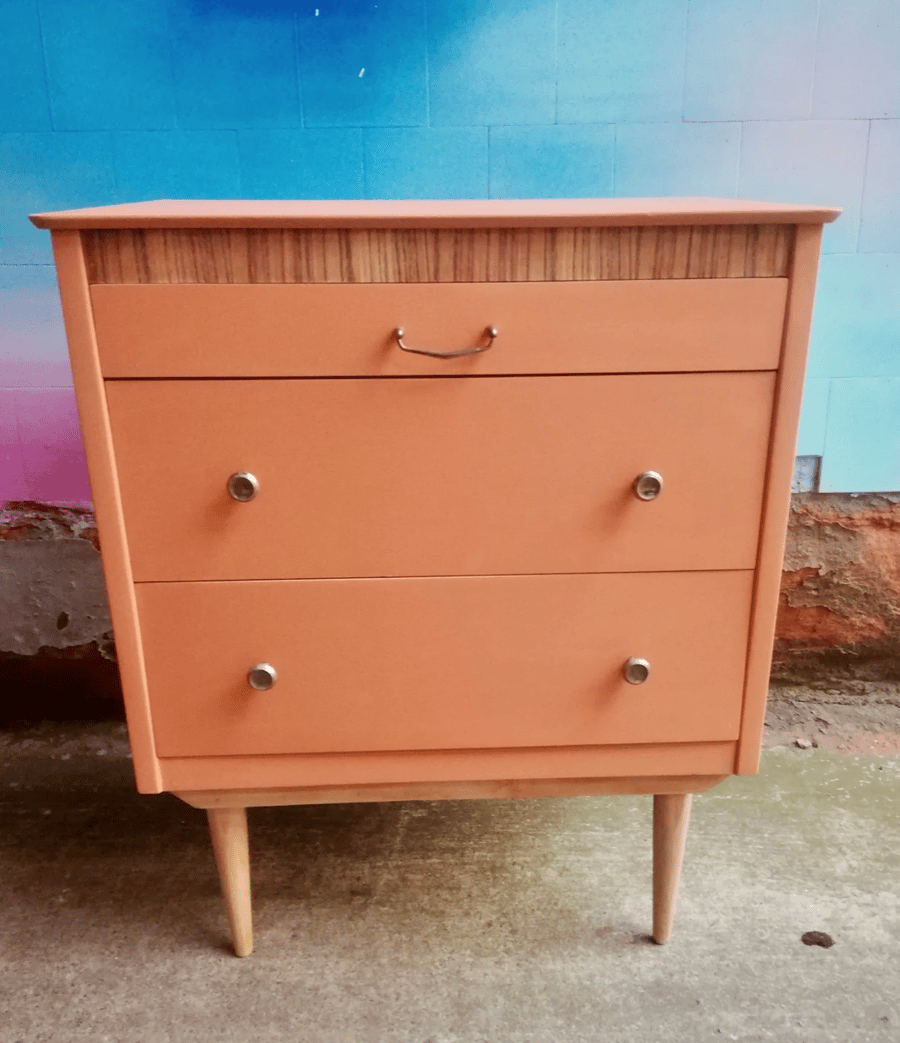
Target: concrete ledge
x,y
57,656
840,594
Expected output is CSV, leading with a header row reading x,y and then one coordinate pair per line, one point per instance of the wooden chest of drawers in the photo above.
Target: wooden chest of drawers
x,y
421,500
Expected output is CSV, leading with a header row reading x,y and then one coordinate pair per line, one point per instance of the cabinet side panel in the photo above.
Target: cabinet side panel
x,y
777,500
73,288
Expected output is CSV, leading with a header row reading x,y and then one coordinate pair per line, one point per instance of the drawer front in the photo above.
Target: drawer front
x,y
462,663
440,477
348,330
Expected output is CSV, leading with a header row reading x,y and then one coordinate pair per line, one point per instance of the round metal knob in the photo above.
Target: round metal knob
x,y
636,671
648,485
262,677
242,486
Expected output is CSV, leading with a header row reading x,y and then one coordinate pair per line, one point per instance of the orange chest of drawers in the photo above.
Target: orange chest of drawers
x,y
420,500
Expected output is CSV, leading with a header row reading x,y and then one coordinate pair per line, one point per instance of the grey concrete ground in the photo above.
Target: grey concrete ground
x,y
506,921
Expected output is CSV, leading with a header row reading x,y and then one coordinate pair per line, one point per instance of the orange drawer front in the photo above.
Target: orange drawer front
x,y
440,477
348,330
461,663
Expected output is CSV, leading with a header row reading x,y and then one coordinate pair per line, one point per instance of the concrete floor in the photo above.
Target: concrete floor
x,y
500,921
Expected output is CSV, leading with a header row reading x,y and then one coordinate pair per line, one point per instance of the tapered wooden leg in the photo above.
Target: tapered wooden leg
x,y
671,812
228,829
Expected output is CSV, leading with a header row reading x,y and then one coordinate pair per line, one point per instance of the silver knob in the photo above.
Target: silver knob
x,y
242,486
648,485
262,677
636,671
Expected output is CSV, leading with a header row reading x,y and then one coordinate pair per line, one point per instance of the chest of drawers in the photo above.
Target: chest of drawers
x,y
420,500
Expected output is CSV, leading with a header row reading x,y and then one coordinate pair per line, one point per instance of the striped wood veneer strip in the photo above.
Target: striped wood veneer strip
x,y
424,255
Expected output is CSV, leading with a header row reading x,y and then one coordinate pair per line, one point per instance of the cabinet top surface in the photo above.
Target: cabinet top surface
x,y
468,213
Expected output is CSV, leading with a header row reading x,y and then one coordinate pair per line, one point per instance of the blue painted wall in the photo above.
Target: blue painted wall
x,y
795,100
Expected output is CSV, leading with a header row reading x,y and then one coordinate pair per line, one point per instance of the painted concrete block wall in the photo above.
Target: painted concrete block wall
x,y
794,100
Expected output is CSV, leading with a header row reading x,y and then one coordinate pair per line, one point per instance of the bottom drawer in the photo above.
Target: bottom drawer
x,y
444,663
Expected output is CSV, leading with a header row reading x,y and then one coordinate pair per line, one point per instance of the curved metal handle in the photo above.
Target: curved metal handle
x,y
262,677
636,671
648,485
490,332
242,486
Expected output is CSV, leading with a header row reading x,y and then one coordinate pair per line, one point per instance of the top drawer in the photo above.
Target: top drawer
x,y
285,330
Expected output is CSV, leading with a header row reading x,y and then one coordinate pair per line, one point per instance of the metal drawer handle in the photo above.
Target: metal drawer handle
x,y
262,677
490,332
242,486
648,485
636,671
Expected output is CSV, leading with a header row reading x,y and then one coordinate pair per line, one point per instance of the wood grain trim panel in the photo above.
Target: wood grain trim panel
x,y
428,255
184,774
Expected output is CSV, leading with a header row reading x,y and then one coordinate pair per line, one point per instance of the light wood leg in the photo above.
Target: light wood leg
x,y
228,830
670,822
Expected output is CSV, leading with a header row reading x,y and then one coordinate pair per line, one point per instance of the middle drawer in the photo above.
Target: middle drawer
x,y
441,476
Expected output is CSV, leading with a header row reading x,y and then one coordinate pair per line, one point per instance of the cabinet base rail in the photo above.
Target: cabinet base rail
x,y
227,814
